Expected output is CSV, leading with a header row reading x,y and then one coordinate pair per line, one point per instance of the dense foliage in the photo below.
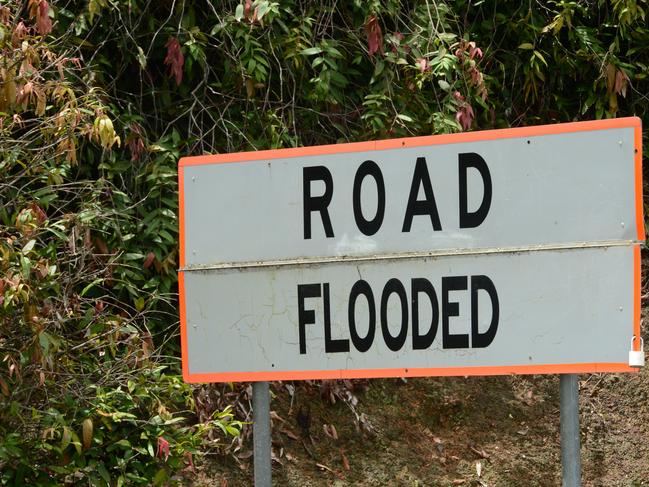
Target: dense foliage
x,y
99,98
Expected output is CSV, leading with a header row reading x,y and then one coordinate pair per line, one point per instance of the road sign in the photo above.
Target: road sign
x,y
505,251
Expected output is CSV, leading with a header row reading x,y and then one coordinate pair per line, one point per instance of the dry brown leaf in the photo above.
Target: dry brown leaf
x,y
324,467
346,465
480,452
87,429
4,387
330,431
244,455
274,415
290,434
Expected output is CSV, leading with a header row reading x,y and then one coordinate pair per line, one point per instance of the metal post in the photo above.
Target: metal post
x,y
261,434
570,448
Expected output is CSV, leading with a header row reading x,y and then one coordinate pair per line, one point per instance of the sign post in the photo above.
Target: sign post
x,y
569,417
510,251
261,439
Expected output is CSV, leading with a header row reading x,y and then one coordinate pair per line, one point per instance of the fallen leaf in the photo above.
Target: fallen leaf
x,y
478,468
344,459
323,467
290,434
480,452
330,431
274,415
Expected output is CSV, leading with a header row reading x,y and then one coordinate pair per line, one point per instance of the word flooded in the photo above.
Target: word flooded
x,y
422,337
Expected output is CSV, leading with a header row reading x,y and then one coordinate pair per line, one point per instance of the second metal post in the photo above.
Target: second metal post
x,y
261,434
570,444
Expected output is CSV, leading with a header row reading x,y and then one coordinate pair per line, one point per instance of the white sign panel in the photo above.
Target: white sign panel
x,y
509,251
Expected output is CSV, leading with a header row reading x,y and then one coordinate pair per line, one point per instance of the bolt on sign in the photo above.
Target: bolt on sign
x,y
497,252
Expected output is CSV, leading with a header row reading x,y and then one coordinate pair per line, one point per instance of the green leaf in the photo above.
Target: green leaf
x,y
141,58
405,118
526,45
75,442
311,51
540,56
262,10
104,473
28,246
238,13
160,477
90,286
66,437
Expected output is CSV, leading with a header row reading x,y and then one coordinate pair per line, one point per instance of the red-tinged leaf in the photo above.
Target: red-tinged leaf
x,y
43,21
19,33
423,65
175,59
163,448
38,212
150,257
189,461
458,96
465,116
246,9
374,35
476,76
135,141
621,82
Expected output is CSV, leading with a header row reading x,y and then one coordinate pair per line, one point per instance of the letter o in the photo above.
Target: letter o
x,y
369,227
362,344
394,343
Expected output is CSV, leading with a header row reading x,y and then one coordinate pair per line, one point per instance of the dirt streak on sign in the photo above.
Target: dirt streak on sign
x,y
422,256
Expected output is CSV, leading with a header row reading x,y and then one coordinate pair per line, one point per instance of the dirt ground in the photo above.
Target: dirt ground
x,y
474,431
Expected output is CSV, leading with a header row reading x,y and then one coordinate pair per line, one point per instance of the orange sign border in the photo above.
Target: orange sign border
x,y
498,134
